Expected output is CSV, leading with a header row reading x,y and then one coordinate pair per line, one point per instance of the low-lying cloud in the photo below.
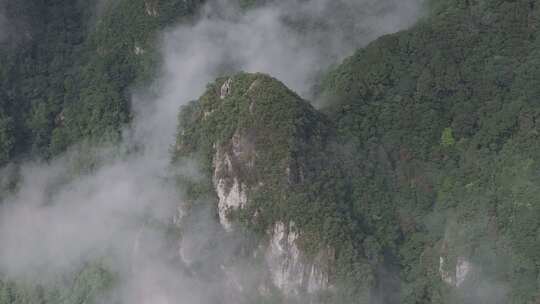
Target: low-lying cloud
x,y
291,40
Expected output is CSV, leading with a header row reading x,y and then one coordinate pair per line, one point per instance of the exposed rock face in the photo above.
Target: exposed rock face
x,y
446,276
229,162
289,270
59,119
453,274
226,89
150,7
258,130
317,280
283,259
230,198
138,50
462,269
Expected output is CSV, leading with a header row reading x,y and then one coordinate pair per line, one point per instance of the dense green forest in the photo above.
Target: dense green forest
x,y
66,69
425,155
442,119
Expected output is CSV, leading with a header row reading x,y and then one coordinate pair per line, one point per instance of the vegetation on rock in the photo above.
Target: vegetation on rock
x,y
420,173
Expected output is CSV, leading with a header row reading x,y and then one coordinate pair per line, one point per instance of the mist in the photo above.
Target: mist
x,y
57,219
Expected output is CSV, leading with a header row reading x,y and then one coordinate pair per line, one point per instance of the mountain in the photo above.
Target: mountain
x,y
441,118
266,155
414,179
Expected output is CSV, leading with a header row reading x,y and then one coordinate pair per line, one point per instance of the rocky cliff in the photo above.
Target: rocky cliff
x,y
261,143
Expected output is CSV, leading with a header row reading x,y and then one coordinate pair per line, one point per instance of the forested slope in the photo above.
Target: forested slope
x,y
416,181
441,123
66,67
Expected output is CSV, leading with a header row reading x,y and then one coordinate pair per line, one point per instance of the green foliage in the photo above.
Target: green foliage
x,y
6,138
91,285
461,78
293,175
447,138
68,76
429,147
393,195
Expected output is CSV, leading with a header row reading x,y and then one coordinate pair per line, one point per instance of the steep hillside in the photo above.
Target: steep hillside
x,y
416,181
267,158
65,68
442,122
